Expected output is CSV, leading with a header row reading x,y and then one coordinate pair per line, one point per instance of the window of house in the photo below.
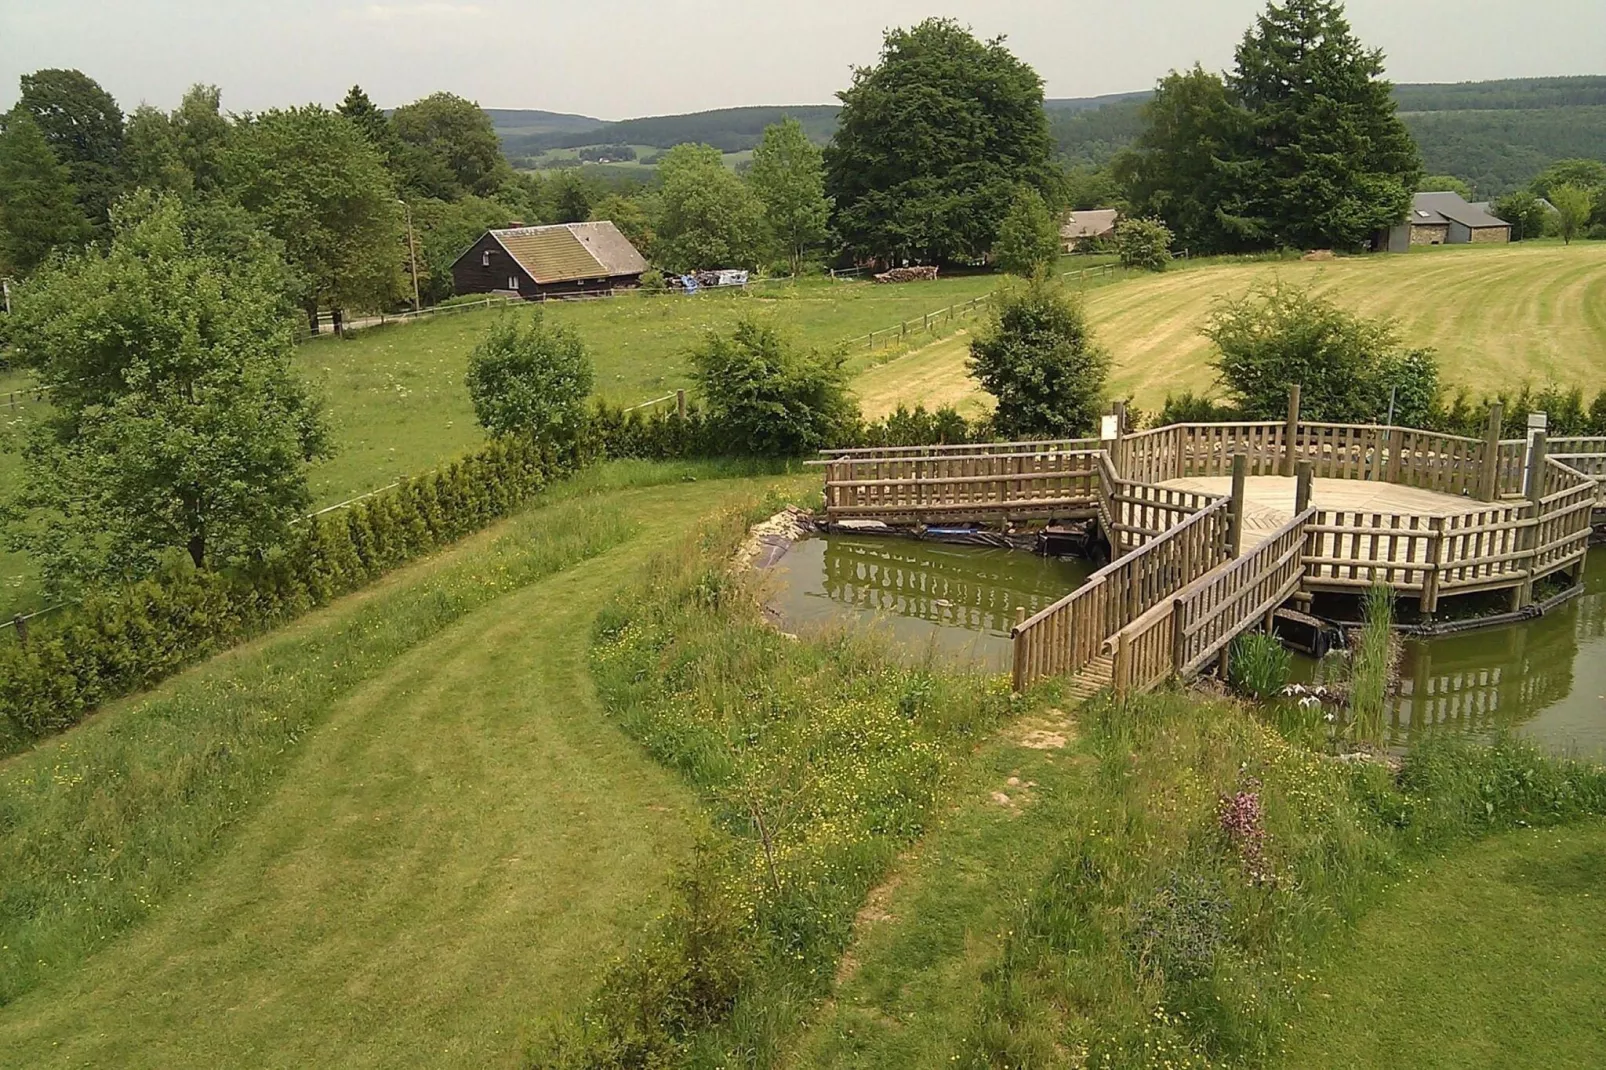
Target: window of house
x,y
485,258
512,282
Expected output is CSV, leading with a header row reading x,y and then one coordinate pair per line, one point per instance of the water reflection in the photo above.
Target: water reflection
x,y
960,599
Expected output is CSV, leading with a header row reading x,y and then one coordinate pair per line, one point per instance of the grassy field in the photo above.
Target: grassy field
x,y
395,833
1498,317
1493,957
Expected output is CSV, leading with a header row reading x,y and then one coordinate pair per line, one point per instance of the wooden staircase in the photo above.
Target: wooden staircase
x,y
1097,675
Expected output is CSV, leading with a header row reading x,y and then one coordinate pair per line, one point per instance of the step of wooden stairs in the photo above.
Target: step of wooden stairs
x,y
1097,675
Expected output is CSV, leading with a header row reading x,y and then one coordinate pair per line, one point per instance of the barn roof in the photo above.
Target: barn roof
x,y
565,252
1430,208
1089,224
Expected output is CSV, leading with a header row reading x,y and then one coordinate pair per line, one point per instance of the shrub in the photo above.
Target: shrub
x,y
1029,237
1143,243
653,282
532,382
765,397
1258,665
1038,357
1345,364
1191,408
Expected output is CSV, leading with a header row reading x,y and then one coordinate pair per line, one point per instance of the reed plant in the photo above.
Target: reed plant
x,y
1372,666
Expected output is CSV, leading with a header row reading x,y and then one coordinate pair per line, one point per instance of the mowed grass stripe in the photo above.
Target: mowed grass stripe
x,y
456,846
1498,318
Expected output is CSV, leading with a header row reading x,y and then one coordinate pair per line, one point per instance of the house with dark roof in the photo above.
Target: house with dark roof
x,y
1087,226
1446,219
554,261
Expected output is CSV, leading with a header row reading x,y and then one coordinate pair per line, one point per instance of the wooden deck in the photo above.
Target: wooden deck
x,y
1269,501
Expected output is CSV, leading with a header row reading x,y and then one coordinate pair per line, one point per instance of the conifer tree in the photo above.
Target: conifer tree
x,y
38,205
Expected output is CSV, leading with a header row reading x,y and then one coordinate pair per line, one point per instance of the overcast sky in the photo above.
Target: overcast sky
x,y
627,58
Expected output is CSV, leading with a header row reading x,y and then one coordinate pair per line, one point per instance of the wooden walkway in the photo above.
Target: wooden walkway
x,y
1196,564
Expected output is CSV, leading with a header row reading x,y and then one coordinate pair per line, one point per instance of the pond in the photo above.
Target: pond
x,y
958,601
1545,679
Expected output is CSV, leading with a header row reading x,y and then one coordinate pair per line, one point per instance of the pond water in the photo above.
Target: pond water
x,y
1545,680
956,600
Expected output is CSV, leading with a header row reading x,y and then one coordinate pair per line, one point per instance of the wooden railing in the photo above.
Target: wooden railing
x,y
1182,634
1449,464
974,449
1206,450
916,489
1062,639
1562,526
1344,451
1586,456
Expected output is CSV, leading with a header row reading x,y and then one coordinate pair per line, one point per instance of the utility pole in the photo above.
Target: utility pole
x,y
412,252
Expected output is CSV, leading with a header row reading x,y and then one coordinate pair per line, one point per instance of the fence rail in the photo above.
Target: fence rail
x,y
954,487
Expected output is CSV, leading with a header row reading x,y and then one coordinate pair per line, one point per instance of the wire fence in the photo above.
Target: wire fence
x,y
929,321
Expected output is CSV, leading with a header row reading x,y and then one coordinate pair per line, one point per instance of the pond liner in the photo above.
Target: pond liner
x,y
1438,629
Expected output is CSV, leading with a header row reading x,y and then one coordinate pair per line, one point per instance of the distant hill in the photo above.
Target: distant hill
x,y
1495,135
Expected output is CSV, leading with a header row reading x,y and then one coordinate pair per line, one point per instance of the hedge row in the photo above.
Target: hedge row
x,y
119,641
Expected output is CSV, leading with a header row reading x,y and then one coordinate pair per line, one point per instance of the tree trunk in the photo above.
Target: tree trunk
x,y
312,316
197,548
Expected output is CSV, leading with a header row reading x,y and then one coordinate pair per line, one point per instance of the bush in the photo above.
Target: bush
x,y
1191,408
121,640
1258,665
1143,243
1277,335
766,398
1039,359
653,282
531,382
1029,237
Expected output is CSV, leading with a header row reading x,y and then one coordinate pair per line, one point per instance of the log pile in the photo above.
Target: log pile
x,y
908,274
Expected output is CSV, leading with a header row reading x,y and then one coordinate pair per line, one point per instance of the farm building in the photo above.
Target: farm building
x,y
1445,219
1088,226
554,261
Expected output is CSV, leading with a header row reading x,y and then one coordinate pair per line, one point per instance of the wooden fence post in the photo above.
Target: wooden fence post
x,y
1235,511
680,404
1430,579
1291,431
1304,477
1489,477
1534,488
20,623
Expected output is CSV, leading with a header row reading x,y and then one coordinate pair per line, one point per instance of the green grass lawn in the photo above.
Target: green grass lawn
x,y
1495,956
393,833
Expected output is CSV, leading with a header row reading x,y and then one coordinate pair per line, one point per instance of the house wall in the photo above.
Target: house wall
x,y
1491,235
1460,234
471,275
1430,234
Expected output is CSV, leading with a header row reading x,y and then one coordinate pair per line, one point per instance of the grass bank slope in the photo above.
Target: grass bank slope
x,y
1498,317
390,834
1495,956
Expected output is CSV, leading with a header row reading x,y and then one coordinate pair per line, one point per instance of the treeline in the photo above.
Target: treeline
x,y
727,129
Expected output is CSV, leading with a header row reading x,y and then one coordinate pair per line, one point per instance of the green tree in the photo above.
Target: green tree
x,y
1039,359
768,398
203,136
84,128
443,229
1143,243
1585,174
533,381
931,145
177,420
631,217
1444,184
452,148
39,209
1175,171
788,176
1573,205
1526,213
318,186
151,155
569,196
1346,365
1029,238
1328,162
708,217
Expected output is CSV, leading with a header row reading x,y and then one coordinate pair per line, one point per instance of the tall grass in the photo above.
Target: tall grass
x,y
1258,665
1372,666
818,762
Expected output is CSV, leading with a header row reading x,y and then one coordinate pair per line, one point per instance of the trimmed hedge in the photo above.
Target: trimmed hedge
x,y
118,641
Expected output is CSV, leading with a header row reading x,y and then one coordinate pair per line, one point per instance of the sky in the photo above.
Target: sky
x,y
627,58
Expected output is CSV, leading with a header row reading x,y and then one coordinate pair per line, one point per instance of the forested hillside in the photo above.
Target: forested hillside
x,y
1494,135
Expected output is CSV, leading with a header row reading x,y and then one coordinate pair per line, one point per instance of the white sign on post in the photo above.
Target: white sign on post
x,y
1109,428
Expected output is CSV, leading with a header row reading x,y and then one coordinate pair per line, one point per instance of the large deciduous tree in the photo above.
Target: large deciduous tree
x,y
788,176
39,209
84,127
317,185
178,423
1039,359
1573,206
709,217
1328,162
932,143
181,151
452,148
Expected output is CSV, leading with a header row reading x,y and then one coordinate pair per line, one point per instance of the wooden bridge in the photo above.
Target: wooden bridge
x,y
1213,527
